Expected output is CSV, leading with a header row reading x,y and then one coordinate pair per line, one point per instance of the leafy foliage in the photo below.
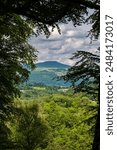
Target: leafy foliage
x,y
28,128
17,17
14,52
55,122
67,118
43,13
86,71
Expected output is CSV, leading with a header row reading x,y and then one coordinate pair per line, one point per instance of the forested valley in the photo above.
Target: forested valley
x,y
47,117
52,118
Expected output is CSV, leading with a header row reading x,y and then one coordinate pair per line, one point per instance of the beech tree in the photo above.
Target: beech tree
x,y
17,19
29,131
14,53
45,13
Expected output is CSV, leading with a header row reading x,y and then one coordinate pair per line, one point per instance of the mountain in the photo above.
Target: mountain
x,y
52,64
47,73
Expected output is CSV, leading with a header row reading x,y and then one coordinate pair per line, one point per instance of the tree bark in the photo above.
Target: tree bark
x,y
96,141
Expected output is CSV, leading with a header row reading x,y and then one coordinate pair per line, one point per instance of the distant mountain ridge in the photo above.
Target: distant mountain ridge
x,y
52,64
47,73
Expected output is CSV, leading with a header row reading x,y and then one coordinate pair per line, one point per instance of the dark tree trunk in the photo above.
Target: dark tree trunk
x,y
96,141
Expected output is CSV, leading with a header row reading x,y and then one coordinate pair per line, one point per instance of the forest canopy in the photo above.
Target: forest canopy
x,y
18,18
45,13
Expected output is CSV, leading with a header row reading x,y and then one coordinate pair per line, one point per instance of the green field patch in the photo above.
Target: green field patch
x,y
39,88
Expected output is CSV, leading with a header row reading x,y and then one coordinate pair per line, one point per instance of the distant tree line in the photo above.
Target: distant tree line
x,y
17,21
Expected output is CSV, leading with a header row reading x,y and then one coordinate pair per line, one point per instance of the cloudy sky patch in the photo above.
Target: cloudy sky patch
x,y
61,47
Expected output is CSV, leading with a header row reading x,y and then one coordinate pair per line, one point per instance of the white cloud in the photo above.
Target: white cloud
x,y
61,47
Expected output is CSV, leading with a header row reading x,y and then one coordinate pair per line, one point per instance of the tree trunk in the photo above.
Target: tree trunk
x,y
96,141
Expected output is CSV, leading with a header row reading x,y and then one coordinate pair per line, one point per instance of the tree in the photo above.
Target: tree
x,y
85,76
14,53
67,118
29,130
18,17
43,12
16,20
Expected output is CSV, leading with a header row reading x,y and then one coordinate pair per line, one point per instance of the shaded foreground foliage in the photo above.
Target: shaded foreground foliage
x,y
14,53
28,130
17,19
55,122
46,13
87,71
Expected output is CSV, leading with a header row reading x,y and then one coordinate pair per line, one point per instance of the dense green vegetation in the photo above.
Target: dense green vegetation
x,y
20,123
35,91
14,52
87,70
62,121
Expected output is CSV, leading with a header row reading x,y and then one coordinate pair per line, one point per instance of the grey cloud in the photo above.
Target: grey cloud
x,y
61,47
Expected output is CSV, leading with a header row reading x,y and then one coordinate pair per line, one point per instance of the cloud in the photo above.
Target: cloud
x,y
61,47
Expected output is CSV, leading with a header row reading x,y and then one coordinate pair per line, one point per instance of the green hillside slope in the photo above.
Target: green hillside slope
x,y
47,73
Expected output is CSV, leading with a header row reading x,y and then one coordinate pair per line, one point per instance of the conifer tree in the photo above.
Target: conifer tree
x,y
17,18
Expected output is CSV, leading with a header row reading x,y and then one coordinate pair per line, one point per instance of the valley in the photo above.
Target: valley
x,y
48,73
57,118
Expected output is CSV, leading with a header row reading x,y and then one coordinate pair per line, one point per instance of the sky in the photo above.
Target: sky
x,y
60,47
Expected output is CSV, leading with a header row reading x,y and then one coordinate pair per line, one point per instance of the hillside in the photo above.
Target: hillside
x,y
52,64
47,73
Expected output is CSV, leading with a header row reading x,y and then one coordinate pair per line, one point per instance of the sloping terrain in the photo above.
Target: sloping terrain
x,y
47,73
